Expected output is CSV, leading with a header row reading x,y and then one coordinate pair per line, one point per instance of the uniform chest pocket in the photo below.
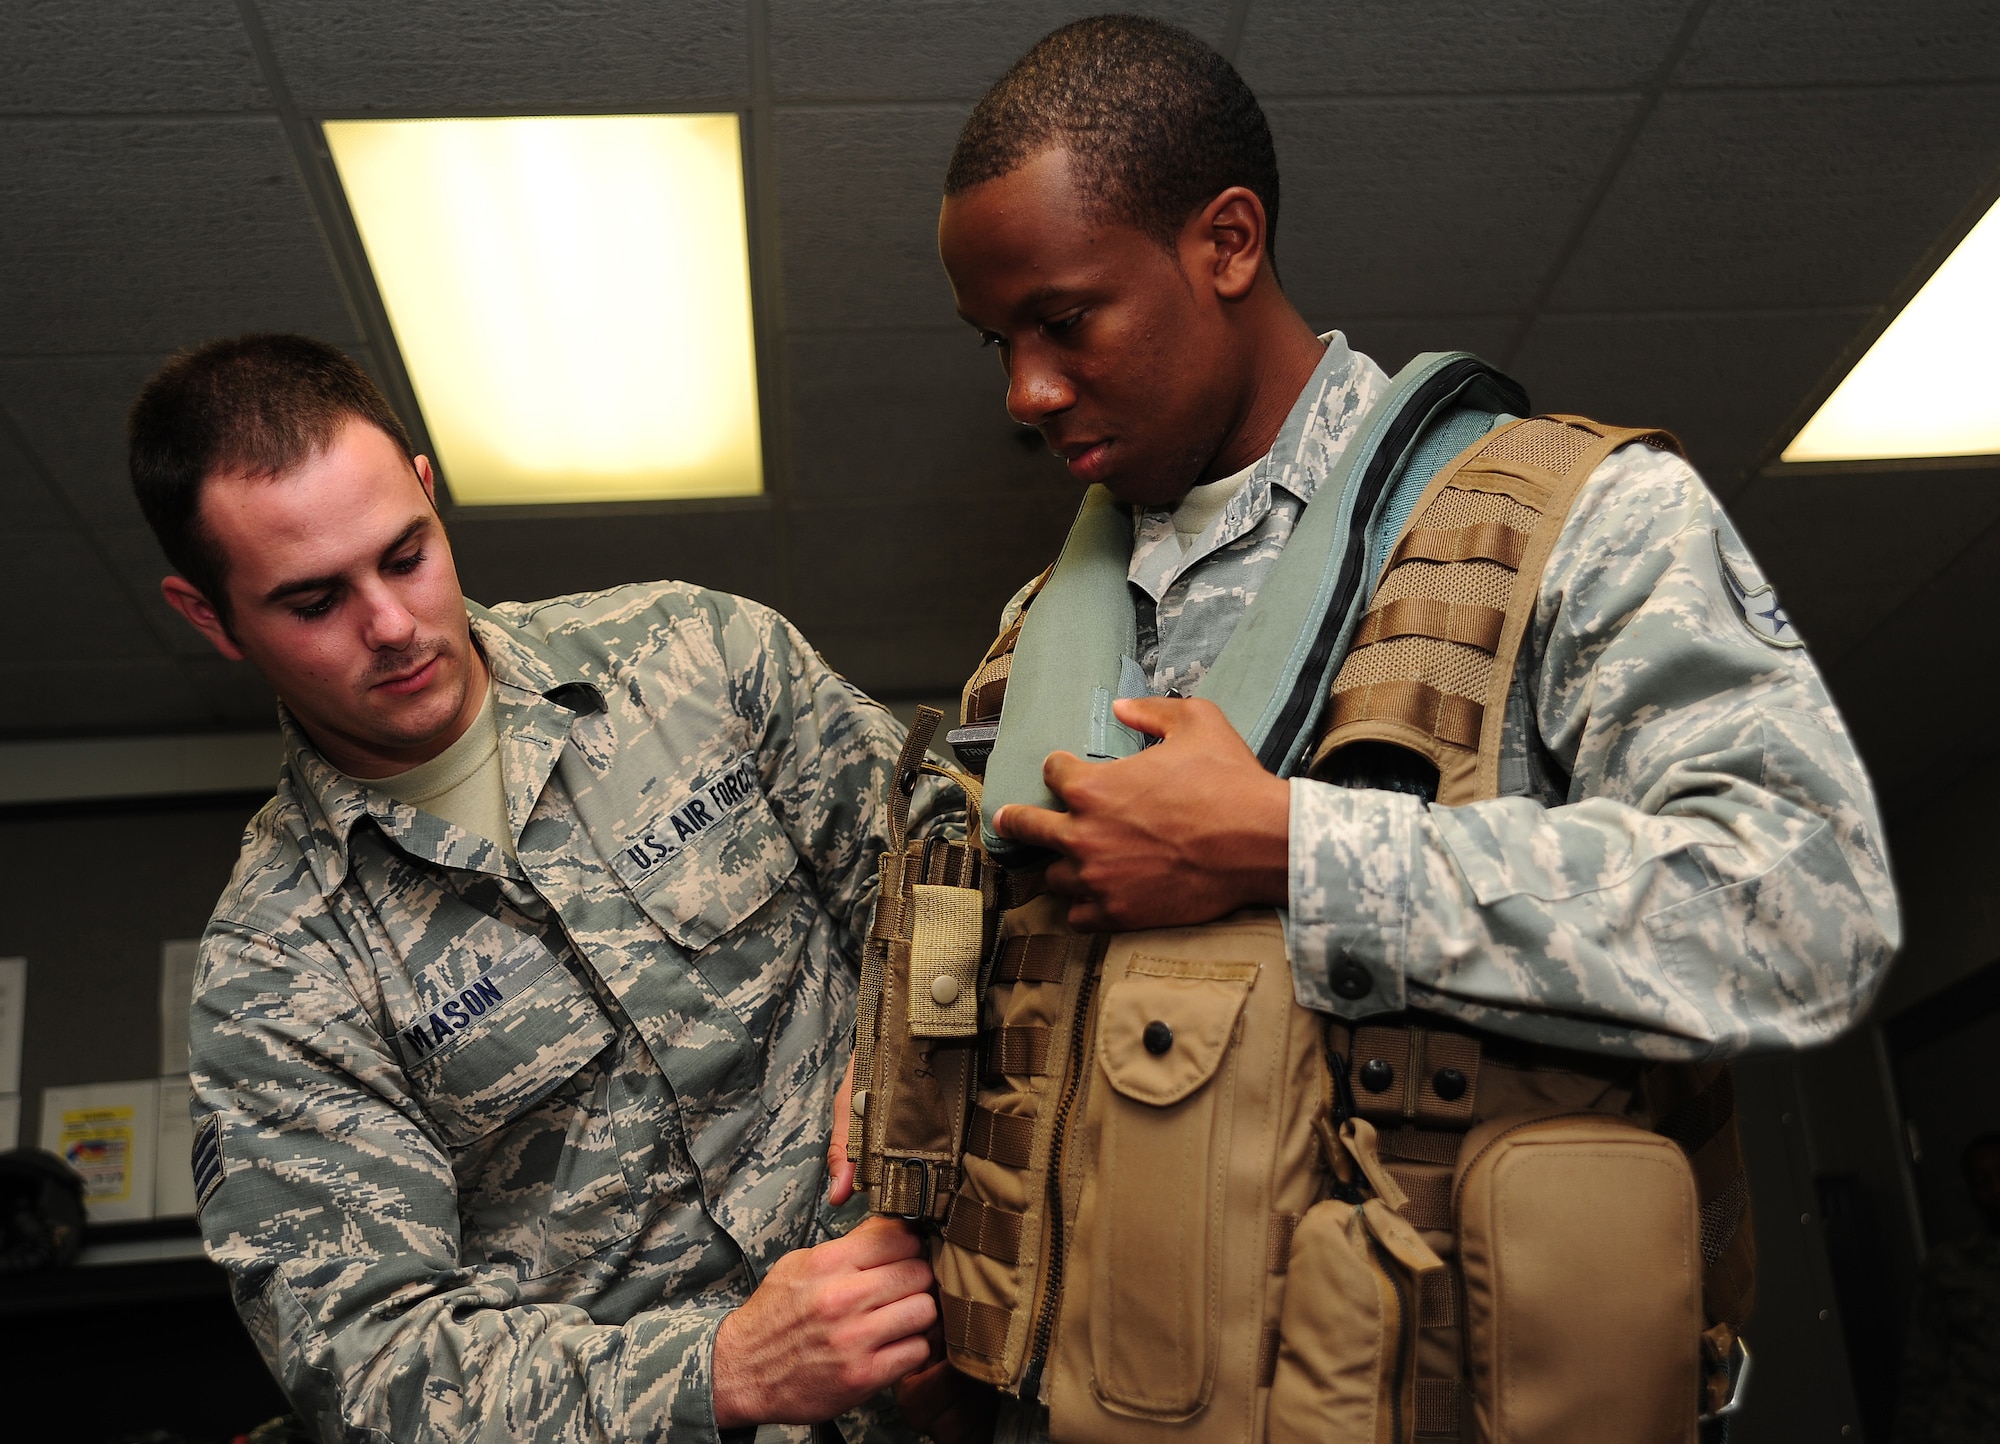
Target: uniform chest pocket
x,y
712,859
536,1025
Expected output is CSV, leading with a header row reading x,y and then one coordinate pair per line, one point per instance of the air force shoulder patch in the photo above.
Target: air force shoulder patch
x,y
1758,606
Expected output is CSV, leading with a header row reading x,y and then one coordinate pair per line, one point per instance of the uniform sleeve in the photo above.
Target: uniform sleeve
x,y
335,1214
1714,880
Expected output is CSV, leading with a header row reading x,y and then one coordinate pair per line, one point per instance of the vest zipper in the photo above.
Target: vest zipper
x,y
1387,1265
1079,1037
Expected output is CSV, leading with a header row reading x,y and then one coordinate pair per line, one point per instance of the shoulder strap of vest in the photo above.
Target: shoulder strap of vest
x,y
1432,660
1074,654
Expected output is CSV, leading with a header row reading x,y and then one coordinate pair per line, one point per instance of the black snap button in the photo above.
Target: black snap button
x,y
1448,1084
1377,1075
1158,1037
1350,980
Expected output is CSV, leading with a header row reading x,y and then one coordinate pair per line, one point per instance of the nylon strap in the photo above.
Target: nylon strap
x,y
1461,622
975,1327
1002,1138
995,1232
1488,541
1420,705
1021,1052
1036,958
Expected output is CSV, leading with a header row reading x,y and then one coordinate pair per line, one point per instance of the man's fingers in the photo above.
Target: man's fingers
x,y
840,1172
840,1179
897,1360
1035,826
881,1287
878,1240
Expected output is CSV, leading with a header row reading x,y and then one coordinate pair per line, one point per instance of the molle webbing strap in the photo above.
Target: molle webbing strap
x,y
1037,957
995,1232
1022,1052
1434,654
1001,1138
1696,1107
975,1327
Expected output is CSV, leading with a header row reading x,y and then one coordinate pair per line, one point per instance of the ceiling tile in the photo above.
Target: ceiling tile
x,y
1405,208
1790,42
130,235
859,191
1846,549
1305,47
1786,198
518,559
25,502
1724,384
95,698
495,57
910,49
139,564
1928,649
914,413
66,605
928,581
1393,344
162,55
71,410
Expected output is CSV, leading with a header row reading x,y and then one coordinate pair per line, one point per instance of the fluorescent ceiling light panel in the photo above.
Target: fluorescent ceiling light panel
x,y
1930,385
571,295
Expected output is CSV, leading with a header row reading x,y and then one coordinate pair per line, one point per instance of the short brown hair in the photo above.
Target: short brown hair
x,y
1156,122
261,405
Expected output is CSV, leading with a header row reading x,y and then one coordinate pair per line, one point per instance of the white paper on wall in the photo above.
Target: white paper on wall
x,y
177,964
108,1133
10,1120
173,1177
13,1015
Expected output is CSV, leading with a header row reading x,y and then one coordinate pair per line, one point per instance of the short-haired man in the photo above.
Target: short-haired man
x,y
1685,861
516,1031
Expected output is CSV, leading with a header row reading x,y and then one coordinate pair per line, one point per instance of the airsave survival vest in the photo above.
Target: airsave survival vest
x,y
1174,1205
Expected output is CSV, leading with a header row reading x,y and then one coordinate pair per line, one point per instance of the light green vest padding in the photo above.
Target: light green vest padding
x,y
1075,653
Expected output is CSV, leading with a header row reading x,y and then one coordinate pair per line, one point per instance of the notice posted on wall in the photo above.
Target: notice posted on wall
x,y
10,1120
178,959
107,1132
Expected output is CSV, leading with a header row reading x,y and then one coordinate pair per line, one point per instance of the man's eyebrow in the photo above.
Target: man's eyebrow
x,y
314,584
1034,300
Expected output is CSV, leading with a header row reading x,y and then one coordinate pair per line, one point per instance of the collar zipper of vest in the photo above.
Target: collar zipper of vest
x,y
1080,1029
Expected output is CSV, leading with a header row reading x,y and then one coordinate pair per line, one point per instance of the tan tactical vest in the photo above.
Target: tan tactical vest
x,y
1174,1205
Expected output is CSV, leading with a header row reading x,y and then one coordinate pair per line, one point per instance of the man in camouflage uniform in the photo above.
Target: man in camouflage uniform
x,y
511,1109
1950,1392
1687,861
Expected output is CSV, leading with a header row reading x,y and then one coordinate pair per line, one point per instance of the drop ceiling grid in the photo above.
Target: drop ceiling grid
x,y
1678,304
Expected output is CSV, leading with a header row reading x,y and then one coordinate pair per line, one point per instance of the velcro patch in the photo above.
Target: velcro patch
x,y
206,1161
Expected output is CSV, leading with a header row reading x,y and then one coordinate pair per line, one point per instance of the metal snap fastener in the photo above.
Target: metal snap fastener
x,y
944,990
1350,980
1448,1084
1377,1075
1158,1037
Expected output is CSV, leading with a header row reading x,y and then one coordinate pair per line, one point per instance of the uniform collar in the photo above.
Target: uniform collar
x,y
537,696
1343,387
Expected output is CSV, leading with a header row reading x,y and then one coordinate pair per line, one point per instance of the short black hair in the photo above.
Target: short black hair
x,y
1157,122
260,405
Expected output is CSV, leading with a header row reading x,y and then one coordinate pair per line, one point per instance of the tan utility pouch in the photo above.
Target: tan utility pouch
x,y
1579,1245
917,1023
1345,1367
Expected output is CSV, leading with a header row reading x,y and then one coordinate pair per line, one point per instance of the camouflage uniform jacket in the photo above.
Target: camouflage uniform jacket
x,y
489,1148
1687,861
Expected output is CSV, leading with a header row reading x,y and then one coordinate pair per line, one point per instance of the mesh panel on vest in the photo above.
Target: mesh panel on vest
x,y
1485,584
1552,445
1456,507
1451,668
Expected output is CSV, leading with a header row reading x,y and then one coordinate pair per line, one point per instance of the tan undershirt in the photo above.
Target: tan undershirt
x,y
462,784
1203,504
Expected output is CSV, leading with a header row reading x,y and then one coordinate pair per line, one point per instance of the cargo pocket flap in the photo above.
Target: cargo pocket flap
x,y
1167,1023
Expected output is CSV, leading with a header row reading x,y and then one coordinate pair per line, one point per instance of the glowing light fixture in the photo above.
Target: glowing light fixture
x,y
571,295
1930,385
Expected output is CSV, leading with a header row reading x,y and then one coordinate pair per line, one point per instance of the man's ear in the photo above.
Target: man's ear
x,y
427,477
1230,238
183,597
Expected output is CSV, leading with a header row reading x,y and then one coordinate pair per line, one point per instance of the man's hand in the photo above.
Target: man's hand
x,y
827,1328
1185,832
839,1167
